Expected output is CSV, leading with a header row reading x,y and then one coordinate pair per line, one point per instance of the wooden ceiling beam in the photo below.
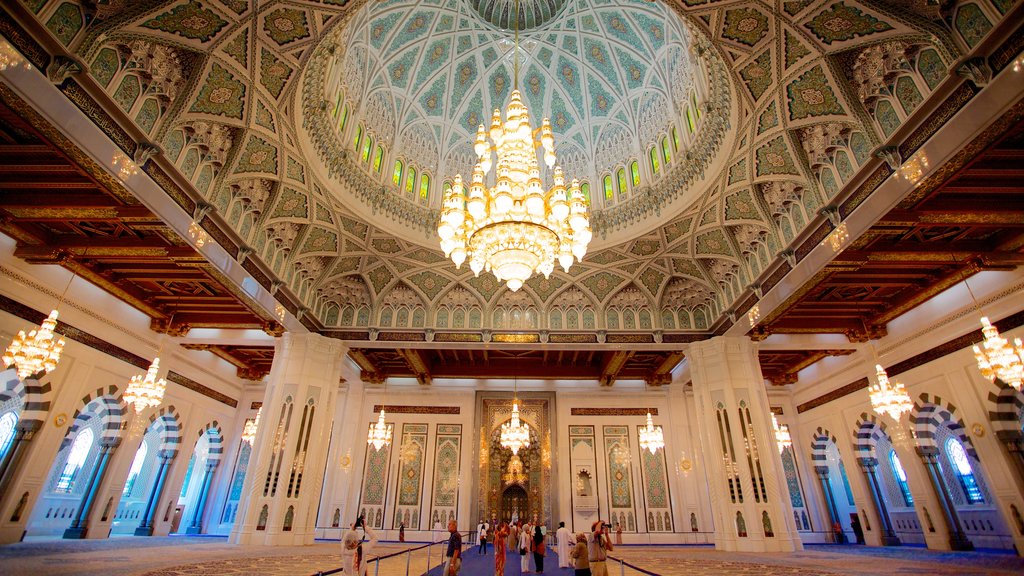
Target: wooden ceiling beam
x,y
418,364
662,372
612,364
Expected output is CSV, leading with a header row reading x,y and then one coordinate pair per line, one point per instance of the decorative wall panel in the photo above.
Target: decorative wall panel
x,y
620,481
583,463
656,490
410,475
446,473
373,501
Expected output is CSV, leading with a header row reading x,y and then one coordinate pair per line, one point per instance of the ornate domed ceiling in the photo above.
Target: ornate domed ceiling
x,y
804,91
614,77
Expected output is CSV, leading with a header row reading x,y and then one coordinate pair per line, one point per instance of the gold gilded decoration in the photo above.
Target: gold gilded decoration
x,y
978,430
60,420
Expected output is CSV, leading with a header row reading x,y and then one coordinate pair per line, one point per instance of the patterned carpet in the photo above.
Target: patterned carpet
x,y
215,557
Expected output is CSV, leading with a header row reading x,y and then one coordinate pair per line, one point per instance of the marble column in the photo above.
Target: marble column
x,y
1013,441
751,509
80,523
146,526
870,468
196,525
957,537
281,491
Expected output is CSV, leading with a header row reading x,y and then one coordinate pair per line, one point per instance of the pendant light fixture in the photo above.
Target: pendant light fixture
x,y
380,434
251,428
783,439
652,438
515,434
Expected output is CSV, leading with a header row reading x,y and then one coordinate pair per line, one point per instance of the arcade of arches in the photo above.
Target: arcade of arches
x,y
782,194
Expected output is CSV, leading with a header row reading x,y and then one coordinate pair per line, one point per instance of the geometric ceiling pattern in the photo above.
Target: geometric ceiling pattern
x,y
611,75
809,94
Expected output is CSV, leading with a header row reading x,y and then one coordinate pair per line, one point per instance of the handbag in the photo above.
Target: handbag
x,y
522,551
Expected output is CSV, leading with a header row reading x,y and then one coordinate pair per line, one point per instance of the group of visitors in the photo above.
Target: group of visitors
x,y
586,553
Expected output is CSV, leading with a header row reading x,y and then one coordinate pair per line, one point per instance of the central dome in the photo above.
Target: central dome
x,y
532,13
409,82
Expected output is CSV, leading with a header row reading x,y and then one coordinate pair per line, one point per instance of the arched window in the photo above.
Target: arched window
x,y
424,186
7,423
76,459
901,478
133,472
410,181
689,120
585,189
608,192
634,172
655,159
962,466
359,138
367,146
693,100
378,159
188,478
622,186
666,154
675,139
396,179
337,105
344,118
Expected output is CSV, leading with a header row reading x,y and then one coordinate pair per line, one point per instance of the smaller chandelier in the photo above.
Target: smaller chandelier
x,y
889,397
146,391
198,235
251,427
651,438
37,352
998,359
515,435
515,473
380,434
782,436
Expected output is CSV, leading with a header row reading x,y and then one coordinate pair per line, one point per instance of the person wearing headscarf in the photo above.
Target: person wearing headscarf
x,y
354,547
581,556
525,541
539,549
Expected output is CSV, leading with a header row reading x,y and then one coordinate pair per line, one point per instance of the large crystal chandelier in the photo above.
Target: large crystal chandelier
x,y
380,434
783,439
251,428
888,397
37,352
997,359
515,227
145,391
651,438
515,434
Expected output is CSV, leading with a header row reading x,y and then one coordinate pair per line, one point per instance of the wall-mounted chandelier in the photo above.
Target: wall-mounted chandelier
x,y
380,434
251,427
997,359
514,228
145,391
783,439
36,352
515,434
888,397
651,437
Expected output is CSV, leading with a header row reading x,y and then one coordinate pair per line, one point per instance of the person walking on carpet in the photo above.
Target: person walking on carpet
x,y
564,537
540,548
453,556
500,535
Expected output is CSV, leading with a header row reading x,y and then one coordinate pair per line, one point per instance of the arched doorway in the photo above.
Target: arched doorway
x,y
514,504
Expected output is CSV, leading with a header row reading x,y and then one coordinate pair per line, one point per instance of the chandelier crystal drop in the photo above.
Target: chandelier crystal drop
x,y
889,397
251,427
651,438
380,434
997,359
37,352
145,391
515,434
782,436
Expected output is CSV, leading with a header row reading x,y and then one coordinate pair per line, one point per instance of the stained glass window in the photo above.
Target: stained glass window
x,y
689,120
901,478
7,423
344,118
397,178
367,146
620,177
135,470
359,137
424,186
608,192
655,162
76,459
585,189
634,172
962,466
666,153
378,159
675,139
